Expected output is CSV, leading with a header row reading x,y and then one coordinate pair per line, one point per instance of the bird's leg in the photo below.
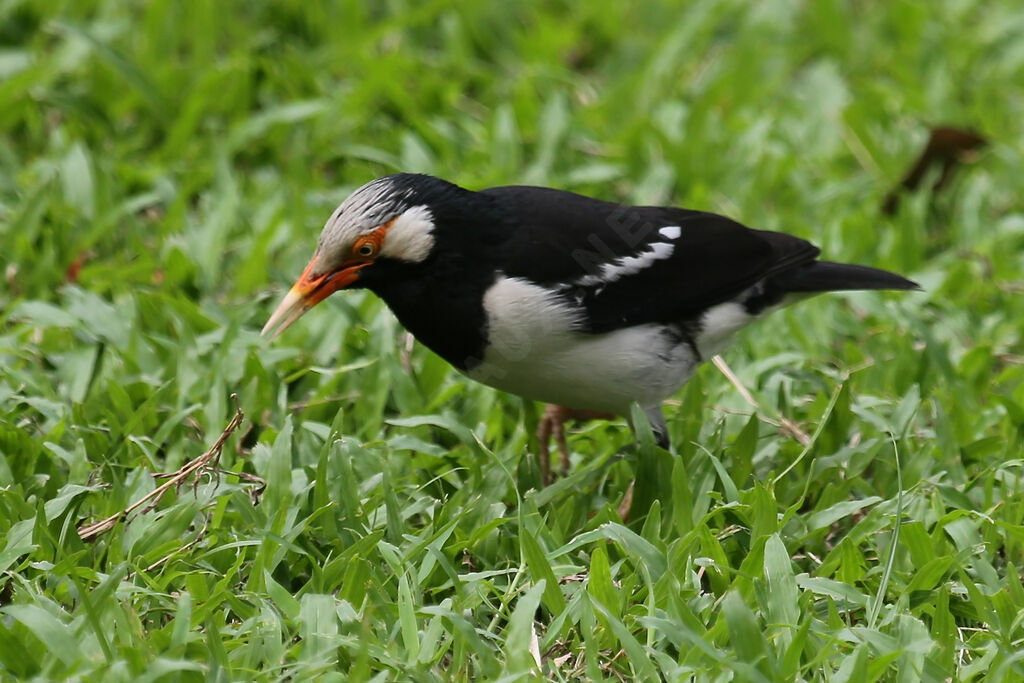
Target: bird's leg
x,y
552,424
657,420
626,506
544,429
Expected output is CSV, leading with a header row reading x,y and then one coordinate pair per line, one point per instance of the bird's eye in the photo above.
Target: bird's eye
x,y
366,249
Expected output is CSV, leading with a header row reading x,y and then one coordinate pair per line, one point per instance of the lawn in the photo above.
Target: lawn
x,y
855,513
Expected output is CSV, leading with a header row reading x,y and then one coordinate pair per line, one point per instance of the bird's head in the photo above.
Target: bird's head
x,y
388,220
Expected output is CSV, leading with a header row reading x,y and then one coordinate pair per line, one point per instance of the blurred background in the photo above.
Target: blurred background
x,y
165,169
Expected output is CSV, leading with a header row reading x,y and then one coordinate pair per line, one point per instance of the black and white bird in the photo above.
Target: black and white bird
x,y
584,304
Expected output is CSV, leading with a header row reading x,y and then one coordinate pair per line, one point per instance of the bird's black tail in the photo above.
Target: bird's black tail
x,y
825,276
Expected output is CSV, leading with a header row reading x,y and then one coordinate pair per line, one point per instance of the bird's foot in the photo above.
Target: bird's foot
x,y
552,424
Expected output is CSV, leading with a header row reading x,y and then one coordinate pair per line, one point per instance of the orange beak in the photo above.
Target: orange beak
x,y
308,291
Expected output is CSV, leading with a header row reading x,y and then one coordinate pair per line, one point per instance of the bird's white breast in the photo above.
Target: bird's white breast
x,y
535,350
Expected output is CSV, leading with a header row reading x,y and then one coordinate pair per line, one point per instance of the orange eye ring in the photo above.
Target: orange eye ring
x,y
367,246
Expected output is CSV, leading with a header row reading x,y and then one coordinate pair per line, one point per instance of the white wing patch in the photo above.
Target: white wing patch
x,y
628,265
671,232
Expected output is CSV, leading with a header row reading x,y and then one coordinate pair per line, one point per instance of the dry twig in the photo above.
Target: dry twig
x,y
784,423
207,462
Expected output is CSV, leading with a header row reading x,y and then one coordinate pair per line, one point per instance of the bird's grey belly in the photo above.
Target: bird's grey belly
x,y
535,349
598,372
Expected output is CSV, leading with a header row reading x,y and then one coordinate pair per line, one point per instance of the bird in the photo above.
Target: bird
x,y
584,304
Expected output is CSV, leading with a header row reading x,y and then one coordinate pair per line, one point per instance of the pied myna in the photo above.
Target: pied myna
x,y
584,304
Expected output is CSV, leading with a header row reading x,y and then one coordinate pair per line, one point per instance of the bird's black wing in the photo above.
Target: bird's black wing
x,y
629,265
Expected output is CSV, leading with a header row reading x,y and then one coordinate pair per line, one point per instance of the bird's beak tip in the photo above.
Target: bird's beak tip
x,y
308,291
291,308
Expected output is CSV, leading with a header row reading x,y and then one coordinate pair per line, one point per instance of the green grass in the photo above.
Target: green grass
x,y
185,155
